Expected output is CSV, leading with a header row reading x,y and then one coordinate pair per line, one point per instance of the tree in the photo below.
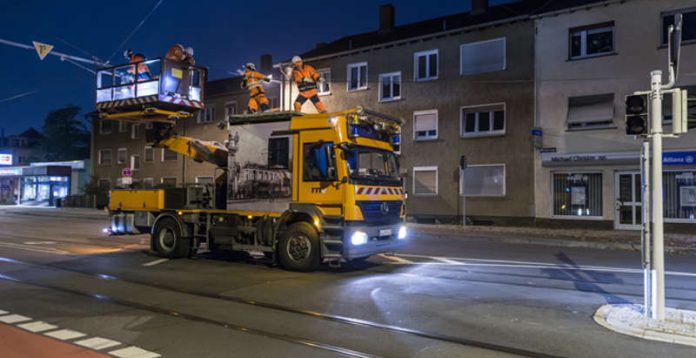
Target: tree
x,y
65,136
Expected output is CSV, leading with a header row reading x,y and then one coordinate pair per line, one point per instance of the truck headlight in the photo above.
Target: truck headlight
x,y
402,232
358,238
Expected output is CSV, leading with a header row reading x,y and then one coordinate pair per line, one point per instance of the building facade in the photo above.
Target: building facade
x,y
463,84
588,60
119,146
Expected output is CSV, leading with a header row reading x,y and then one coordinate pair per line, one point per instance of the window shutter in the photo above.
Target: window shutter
x,y
589,109
426,122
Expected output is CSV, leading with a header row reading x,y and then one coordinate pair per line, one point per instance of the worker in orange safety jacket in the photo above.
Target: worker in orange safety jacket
x,y
257,94
306,78
143,71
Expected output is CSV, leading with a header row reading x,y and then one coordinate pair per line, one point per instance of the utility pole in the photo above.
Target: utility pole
x,y
657,229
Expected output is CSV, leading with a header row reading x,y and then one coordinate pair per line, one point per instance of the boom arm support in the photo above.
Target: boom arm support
x,y
198,150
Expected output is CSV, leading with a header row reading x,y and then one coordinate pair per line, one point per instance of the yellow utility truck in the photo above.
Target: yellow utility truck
x,y
295,189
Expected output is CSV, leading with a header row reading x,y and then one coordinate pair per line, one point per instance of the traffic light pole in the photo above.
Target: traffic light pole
x,y
657,217
645,229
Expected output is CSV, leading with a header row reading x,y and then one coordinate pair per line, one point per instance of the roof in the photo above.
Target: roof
x,y
520,10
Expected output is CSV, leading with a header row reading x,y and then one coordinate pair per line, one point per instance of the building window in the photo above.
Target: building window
x,y
207,115
688,25
591,112
135,163
481,121
389,86
169,182
426,65
680,195
591,41
425,125
279,153
149,154
577,194
483,180
425,181
482,57
357,76
105,157
204,180
168,155
148,183
122,126
324,88
230,109
121,155
104,126
136,131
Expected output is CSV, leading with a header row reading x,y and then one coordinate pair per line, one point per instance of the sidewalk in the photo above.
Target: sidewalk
x,y
77,213
596,239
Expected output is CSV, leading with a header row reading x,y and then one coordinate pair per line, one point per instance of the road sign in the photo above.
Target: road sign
x,y
126,172
126,180
42,49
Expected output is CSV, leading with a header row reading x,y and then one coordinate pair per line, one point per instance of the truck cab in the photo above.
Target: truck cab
x,y
301,190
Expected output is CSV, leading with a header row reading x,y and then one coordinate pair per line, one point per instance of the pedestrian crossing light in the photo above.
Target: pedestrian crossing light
x,y
636,115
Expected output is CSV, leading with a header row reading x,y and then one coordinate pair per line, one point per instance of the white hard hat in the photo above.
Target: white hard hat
x,y
189,51
250,66
296,59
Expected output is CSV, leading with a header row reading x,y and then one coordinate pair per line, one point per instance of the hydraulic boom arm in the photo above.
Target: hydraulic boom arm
x,y
198,150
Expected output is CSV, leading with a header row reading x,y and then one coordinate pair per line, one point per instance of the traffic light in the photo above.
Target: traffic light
x,y
636,114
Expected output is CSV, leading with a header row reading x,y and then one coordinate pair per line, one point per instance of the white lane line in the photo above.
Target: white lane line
x,y
447,261
396,259
133,352
39,242
156,262
44,250
3,312
14,318
65,334
97,343
36,327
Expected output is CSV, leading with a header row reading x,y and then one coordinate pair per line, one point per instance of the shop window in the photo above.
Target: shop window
x,y
482,57
591,112
483,180
680,195
425,181
577,194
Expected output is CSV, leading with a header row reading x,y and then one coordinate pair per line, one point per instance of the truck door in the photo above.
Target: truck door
x,y
318,172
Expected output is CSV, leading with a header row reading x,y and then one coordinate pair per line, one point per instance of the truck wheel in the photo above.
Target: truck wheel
x,y
168,241
299,248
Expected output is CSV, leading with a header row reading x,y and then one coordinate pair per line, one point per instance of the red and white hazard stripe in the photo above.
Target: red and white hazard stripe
x,y
378,191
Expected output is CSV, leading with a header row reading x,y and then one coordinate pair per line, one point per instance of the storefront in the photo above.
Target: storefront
x,y
607,187
9,185
43,185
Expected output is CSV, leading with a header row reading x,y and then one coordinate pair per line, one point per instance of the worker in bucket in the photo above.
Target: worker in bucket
x,y
257,94
177,71
306,78
181,54
143,71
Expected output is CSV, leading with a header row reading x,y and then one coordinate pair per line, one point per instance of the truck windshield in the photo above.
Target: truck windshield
x,y
372,166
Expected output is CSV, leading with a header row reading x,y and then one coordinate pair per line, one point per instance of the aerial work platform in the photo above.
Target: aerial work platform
x,y
157,90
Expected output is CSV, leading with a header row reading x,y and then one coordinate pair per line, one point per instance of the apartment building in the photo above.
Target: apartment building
x,y
463,84
119,145
588,58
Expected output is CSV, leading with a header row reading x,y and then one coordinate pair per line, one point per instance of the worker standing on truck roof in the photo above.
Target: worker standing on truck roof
x,y
306,78
143,71
257,94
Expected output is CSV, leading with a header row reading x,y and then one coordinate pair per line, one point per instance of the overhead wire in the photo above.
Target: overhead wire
x,y
142,22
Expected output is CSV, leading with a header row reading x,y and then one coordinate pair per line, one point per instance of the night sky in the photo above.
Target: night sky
x,y
224,34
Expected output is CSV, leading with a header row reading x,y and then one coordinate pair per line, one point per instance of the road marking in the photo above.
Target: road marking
x,y
39,242
395,259
97,343
14,318
65,334
45,250
36,327
3,312
447,261
133,352
156,262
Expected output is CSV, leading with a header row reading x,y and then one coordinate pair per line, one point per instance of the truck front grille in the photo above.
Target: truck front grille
x,y
380,212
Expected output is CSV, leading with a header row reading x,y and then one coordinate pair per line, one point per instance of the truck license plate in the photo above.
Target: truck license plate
x,y
385,232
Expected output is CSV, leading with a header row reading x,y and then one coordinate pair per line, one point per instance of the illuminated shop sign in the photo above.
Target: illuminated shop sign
x,y
5,159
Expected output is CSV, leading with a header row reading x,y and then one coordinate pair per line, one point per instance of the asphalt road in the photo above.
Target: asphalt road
x,y
439,297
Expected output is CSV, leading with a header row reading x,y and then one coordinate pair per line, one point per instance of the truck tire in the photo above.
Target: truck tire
x,y
168,241
299,248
